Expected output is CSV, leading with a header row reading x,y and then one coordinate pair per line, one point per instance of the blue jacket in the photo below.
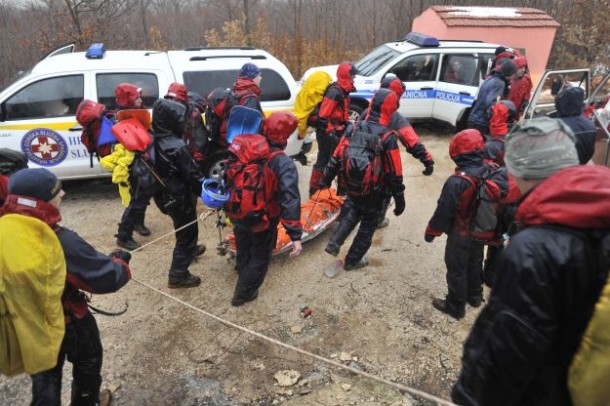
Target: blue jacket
x,y
493,87
570,105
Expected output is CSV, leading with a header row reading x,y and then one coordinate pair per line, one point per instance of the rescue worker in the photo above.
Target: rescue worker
x,y
128,96
523,342
10,162
502,118
247,87
333,116
570,107
178,197
463,255
37,193
254,248
406,135
520,86
494,88
366,209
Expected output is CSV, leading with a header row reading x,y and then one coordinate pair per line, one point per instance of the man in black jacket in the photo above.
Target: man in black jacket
x,y
570,104
522,343
178,197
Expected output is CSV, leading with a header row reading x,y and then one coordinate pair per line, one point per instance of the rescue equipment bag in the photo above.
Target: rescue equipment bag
x,y
309,99
220,102
363,168
250,181
91,116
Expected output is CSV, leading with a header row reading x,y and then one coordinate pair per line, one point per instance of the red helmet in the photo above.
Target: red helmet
x,y
465,142
127,96
520,62
279,126
178,92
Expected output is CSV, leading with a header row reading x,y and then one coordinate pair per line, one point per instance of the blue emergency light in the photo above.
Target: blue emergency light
x,y
422,40
96,51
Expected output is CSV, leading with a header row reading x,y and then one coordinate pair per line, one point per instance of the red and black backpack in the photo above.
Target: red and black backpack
x,y
90,115
220,101
250,180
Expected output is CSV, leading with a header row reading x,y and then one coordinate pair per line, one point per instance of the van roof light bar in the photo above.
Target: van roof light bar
x,y
422,40
96,51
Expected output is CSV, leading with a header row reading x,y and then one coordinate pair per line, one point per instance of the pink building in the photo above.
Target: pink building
x,y
526,29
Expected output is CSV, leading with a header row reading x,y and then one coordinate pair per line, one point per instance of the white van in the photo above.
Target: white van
x,y
442,77
37,110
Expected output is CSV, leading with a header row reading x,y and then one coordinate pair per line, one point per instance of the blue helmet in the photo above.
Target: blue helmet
x,y
213,194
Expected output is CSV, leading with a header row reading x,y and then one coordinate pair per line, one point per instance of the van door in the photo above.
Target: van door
x,y
38,118
419,74
458,83
542,102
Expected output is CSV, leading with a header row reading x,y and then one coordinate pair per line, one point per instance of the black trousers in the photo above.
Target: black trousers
x,y
364,210
464,262
253,256
326,146
186,239
133,215
83,348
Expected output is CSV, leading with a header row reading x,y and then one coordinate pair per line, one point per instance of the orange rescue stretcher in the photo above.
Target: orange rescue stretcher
x,y
317,215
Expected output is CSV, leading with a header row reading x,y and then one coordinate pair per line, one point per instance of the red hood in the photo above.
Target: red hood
x,y
344,78
576,197
31,207
245,85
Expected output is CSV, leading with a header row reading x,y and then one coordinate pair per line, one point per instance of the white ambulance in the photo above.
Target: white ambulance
x,y
37,110
442,77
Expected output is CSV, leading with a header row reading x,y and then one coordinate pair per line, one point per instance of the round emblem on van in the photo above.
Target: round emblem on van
x,y
44,147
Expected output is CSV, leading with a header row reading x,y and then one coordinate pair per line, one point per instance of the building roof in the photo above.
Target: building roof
x,y
457,16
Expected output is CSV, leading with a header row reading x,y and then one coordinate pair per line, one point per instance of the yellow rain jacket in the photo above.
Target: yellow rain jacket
x,y
118,163
32,280
590,368
310,95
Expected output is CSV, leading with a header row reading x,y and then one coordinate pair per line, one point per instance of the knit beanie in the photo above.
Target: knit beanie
x,y
540,147
249,71
178,92
36,183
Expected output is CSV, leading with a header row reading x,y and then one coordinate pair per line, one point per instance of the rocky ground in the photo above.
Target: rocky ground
x,y
378,320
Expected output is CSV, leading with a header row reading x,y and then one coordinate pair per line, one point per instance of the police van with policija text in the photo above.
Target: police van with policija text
x,y
442,77
37,110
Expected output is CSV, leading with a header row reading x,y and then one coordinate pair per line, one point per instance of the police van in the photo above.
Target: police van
x,y
442,77
37,110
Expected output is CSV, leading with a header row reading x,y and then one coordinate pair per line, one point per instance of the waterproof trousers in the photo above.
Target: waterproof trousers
x,y
326,146
364,210
133,215
186,239
83,348
464,262
253,257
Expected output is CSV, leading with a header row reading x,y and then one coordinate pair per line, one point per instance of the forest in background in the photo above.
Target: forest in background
x,y
302,33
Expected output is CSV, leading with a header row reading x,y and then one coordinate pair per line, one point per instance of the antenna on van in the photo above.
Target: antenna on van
x,y
62,49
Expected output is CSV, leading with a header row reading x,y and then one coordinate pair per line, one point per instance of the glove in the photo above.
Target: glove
x,y
429,168
122,255
429,237
400,204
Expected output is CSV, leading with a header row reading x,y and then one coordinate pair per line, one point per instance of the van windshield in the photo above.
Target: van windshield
x,y
373,61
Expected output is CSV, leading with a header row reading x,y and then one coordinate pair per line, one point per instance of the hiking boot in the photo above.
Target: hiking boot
x,y
240,300
475,301
199,250
383,223
129,244
446,307
142,230
332,249
187,280
360,264
105,398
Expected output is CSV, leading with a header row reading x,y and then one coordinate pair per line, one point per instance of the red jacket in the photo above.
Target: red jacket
x,y
520,92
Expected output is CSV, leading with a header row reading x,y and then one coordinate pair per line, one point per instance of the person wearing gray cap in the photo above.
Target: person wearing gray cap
x,y
551,274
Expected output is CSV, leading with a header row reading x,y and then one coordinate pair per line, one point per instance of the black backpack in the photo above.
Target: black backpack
x,y
362,164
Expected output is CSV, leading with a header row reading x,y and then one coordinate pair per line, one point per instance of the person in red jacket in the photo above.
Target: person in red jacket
x,y
520,86
254,247
247,88
332,119
38,193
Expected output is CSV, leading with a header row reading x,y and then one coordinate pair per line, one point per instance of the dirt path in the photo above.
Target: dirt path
x,y
162,353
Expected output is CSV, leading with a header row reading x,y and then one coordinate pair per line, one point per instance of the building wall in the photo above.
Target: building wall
x,y
537,41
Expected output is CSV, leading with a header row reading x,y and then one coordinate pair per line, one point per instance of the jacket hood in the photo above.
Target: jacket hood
x,y
578,197
383,104
570,102
31,207
168,118
244,85
473,158
345,80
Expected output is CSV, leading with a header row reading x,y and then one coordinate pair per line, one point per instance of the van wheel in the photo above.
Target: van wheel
x,y
463,123
355,111
215,165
